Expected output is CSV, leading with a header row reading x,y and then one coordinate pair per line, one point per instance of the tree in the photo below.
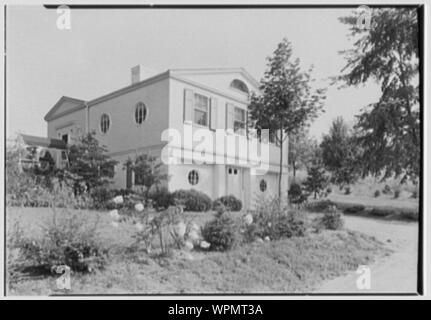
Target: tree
x,y
389,130
316,180
339,153
89,164
300,150
147,170
286,101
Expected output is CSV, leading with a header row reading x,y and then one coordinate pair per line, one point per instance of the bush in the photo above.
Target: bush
x,y
328,190
275,221
347,190
69,239
229,202
296,194
220,233
381,212
101,197
354,208
386,189
320,206
193,200
331,220
376,193
397,193
161,198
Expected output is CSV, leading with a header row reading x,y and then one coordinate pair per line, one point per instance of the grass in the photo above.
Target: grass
x,y
289,265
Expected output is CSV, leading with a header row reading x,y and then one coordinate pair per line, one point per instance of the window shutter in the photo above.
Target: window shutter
x,y
229,115
214,114
188,105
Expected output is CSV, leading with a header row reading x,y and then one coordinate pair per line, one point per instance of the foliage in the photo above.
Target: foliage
x,y
316,180
296,195
193,200
101,197
148,171
274,220
397,193
355,208
377,193
161,198
331,220
229,202
220,233
68,239
347,190
89,165
287,102
301,150
319,206
339,153
389,131
387,189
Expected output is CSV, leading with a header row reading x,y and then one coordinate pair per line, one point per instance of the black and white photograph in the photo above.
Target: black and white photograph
x,y
224,150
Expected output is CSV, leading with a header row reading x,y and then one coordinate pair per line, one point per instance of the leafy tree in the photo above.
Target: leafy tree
x,y
339,153
300,150
389,130
316,181
147,170
89,164
286,101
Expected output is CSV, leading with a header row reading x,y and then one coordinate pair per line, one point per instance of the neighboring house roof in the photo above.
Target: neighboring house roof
x,y
77,104
43,142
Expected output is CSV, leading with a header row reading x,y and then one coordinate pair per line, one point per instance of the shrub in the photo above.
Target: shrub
x,y
101,197
332,220
296,194
220,233
409,215
328,190
376,193
397,193
274,220
230,202
354,208
347,190
381,212
69,239
161,198
193,200
319,206
386,189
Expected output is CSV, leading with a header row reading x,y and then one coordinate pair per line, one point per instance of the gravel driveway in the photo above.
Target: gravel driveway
x,y
396,272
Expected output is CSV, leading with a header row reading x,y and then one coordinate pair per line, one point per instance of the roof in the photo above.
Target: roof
x,y
43,142
76,102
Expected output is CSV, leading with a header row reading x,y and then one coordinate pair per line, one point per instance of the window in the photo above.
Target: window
x,y
140,113
262,185
193,177
239,85
239,121
104,123
201,110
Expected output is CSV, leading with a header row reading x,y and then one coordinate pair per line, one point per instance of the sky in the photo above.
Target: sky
x,y
94,57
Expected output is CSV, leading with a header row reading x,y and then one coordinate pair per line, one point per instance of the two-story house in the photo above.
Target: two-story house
x,y
135,119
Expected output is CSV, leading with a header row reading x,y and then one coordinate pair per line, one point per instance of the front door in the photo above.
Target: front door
x,y
235,182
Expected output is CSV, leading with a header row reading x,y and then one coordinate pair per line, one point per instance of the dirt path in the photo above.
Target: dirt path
x,y
394,273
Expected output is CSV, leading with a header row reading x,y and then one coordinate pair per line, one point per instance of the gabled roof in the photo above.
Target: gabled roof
x,y
43,142
241,71
74,101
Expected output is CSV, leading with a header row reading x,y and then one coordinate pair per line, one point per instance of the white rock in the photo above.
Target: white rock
x,y
248,219
114,214
259,240
139,207
180,229
188,245
118,200
267,238
205,245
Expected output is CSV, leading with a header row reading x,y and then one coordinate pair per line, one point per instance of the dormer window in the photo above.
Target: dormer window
x,y
239,85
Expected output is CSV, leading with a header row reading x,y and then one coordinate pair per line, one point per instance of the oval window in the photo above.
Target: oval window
x,y
140,113
105,123
193,177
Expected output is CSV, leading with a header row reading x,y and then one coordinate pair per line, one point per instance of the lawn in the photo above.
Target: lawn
x,y
289,265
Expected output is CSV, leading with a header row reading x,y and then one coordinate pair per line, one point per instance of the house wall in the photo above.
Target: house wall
x,y
72,124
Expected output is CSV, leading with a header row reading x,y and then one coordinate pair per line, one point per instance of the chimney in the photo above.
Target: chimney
x,y
140,73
